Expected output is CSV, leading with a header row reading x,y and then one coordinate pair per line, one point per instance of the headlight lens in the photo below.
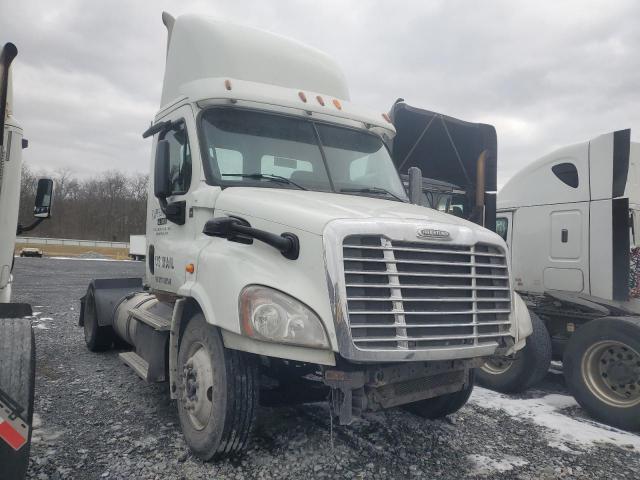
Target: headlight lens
x,y
267,314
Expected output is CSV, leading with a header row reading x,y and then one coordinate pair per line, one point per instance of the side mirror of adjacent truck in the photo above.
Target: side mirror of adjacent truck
x,y
44,198
161,181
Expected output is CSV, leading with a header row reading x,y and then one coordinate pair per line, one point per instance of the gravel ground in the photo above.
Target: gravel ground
x,y
96,419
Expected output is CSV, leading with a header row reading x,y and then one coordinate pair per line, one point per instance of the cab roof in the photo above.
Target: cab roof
x,y
201,48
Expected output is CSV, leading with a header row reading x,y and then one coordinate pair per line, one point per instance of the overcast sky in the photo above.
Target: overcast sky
x,y
546,74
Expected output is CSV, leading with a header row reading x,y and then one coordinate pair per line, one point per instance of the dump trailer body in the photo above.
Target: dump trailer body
x,y
459,157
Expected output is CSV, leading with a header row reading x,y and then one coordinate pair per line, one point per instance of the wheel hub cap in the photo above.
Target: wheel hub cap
x,y
198,387
497,365
611,371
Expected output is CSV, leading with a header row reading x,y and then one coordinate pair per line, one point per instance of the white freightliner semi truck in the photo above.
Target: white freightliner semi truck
x,y
572,222
17,346
280,241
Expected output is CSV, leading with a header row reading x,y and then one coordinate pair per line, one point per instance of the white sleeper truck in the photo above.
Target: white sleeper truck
x,y
280,241
17,346
572,222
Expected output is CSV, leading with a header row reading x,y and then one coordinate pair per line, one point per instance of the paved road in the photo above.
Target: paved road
x,y
97,419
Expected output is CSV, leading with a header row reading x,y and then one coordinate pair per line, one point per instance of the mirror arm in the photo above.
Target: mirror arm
x,y
21,229
239,230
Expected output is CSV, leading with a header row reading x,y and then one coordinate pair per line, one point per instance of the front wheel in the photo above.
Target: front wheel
x,y
218,392
602,369
443,405
528,367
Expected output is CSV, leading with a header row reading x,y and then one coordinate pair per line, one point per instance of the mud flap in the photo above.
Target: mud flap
x,y
17,382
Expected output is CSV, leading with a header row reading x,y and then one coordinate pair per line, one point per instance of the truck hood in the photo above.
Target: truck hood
x,y
311,211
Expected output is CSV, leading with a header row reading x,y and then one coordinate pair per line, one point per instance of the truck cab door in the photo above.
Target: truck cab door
x,y
170,233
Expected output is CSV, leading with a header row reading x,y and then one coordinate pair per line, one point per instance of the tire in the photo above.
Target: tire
x,y
216,418
528,368
17,380
601,367
97,338
438,407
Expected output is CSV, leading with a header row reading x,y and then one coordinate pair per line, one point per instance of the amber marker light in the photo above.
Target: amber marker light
x,y
227,84
320,100
337,104
302,96
190,268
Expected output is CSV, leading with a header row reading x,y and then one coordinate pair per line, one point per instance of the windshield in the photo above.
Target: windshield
x,y
243,145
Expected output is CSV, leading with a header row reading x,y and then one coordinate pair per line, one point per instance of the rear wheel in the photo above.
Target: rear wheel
x,y
97,338
528,367
602,369
443,405
17,381
218,392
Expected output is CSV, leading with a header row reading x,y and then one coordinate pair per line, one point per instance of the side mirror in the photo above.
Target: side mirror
x,y
161,181
44,198
415,185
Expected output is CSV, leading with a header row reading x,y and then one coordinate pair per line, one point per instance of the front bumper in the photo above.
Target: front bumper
x,y
356,389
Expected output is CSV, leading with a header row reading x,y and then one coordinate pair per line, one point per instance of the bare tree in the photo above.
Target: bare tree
x,y
108,206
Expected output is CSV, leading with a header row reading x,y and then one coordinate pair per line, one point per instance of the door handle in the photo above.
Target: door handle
x,y
564,235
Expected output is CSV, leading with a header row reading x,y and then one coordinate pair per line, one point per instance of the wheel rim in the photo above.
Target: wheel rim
x,y
497,365
611,371
198,386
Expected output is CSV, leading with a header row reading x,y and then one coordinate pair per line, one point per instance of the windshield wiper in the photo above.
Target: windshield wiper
x,y
378,190
265,176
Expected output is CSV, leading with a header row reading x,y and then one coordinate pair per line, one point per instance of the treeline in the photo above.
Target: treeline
x,y
109,206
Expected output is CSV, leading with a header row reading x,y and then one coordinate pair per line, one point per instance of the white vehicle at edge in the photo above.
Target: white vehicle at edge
x,y
17,344
280,239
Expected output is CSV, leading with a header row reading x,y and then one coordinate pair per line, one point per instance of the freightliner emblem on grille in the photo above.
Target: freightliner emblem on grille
x,y
433,233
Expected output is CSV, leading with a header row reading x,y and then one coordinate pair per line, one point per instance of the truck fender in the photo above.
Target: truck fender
x,y
177,320
523,326
108,293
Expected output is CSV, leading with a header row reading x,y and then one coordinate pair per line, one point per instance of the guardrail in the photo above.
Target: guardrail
x,y
71,242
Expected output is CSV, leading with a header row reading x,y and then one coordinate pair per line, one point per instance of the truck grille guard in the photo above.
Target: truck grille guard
x,y
397,297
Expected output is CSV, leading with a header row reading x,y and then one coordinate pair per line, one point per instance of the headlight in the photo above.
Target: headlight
x,y
267,314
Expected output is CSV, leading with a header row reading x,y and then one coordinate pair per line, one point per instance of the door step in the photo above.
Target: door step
x,y
137,363
154,321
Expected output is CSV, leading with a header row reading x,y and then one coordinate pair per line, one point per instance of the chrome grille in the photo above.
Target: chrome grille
x,y
420,295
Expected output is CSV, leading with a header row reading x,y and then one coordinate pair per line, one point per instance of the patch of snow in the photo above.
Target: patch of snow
x,y
561,429
35,314
45,318
41,326
483,465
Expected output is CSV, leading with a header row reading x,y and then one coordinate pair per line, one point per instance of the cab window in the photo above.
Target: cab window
x,y
502,227
179,160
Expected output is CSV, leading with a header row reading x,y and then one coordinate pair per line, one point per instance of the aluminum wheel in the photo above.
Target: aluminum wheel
x,y
198,386
611,371
497,365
